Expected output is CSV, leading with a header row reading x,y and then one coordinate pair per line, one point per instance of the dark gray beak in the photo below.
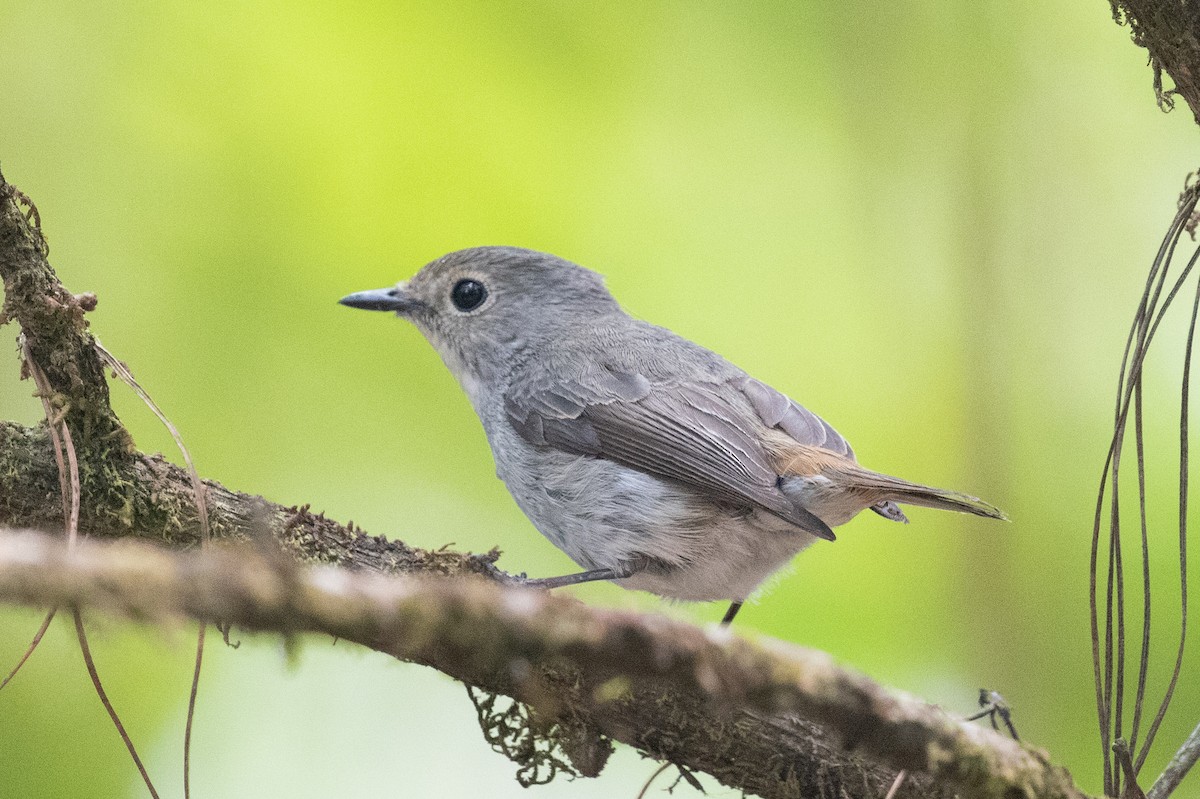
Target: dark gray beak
x,y
395,299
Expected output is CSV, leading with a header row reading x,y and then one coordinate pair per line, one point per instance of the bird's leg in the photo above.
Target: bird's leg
x,y
993,705
570,579
729,614
626,569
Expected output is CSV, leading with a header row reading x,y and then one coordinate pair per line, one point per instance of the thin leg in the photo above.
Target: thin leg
x,y
624,570
729,614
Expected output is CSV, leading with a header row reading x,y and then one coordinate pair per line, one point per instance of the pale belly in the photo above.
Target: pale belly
x,y
603,515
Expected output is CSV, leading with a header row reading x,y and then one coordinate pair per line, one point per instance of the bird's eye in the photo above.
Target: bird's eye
x,y
467,295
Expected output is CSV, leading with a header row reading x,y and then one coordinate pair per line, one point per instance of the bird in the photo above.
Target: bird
x,y
650,460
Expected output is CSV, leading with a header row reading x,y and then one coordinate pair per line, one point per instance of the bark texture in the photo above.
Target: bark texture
x,y
672,689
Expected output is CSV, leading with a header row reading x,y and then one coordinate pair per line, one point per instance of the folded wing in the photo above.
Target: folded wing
x,y
708,435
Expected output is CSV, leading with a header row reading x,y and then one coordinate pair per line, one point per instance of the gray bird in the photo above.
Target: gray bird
x,y
648,459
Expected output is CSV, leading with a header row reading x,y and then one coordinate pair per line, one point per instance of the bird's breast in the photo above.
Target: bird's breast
x,y
603,514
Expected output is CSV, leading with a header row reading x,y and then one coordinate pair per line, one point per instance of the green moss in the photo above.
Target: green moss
x,y
516,731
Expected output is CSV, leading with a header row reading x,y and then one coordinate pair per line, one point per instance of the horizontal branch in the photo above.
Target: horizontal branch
x,y
519,642
155,501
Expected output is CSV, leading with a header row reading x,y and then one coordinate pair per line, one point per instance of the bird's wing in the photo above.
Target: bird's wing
x,y
777,410
700,433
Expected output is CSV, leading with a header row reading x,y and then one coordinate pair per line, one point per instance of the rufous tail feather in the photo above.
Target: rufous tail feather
x,y
906,493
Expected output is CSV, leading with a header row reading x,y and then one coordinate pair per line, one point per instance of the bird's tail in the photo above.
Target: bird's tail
x,y
888,488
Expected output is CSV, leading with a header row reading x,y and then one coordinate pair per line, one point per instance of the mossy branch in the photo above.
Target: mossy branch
x,y
623,668
1170,31
768,719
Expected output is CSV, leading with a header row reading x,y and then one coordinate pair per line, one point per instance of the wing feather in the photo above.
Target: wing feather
x,y
702,434
778,410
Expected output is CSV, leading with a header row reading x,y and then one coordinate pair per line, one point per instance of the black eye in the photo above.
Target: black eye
x,y
467,295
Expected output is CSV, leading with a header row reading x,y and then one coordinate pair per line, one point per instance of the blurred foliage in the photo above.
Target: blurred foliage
x,y
926,221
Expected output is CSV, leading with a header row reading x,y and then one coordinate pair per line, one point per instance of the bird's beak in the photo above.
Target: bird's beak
x,y
396,299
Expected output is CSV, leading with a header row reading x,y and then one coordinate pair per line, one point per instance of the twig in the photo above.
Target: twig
x,y
65,490
112,712
201,495
1131,789
650,781
1109,658
1178,768
69,482
191,713
33,645
900,776
201,499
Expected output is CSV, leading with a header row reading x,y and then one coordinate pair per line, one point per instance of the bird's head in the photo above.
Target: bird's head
x,y
480,307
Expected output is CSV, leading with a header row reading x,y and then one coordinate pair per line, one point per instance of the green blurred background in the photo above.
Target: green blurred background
x,y
927,221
